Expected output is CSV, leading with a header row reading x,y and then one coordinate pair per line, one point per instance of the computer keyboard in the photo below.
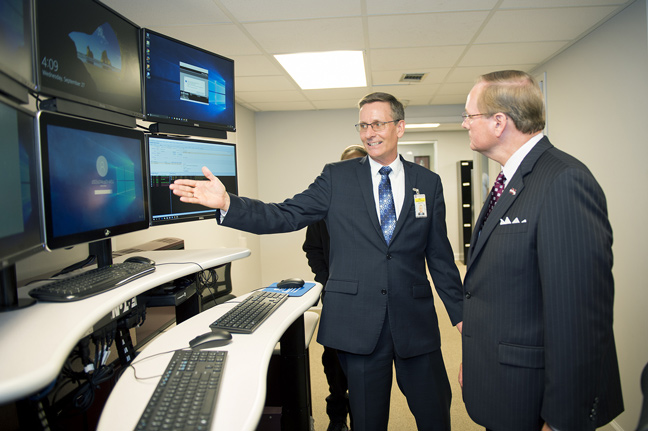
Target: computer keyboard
x,y
185,396
90,283
247,315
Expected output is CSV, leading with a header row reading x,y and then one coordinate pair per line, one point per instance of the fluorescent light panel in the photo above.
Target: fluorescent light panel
x,y
333,69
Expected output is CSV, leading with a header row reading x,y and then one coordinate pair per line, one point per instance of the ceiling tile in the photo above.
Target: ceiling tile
x,y
270,96
508,53
541,24
264,10
535,4
308,35
169,12
224,39
415,58
256,65
424,29
263,83
388,7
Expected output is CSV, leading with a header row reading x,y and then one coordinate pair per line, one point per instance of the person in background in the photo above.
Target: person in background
x,y
317,246
379,311
538,343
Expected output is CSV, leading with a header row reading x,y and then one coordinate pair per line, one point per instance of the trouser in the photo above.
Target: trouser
x,y
422,379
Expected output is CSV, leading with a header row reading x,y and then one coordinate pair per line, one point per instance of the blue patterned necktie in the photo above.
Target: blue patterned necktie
x,y
386,201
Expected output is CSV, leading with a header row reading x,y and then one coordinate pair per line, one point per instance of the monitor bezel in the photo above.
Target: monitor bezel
x,y
190,123
45,118
12,258
54,93
15,84
208,213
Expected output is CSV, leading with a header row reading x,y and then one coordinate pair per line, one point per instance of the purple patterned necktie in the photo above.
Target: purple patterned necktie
x,y
386,203
495,194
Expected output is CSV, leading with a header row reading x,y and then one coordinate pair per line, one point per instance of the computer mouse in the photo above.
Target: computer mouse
x,y
214,338
140,259
290,283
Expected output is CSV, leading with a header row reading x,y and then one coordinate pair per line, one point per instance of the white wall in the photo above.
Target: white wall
x,y
597,110
293,147
197,235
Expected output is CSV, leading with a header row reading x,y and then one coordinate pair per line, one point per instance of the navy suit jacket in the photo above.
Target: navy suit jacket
x,y
537,336
368,278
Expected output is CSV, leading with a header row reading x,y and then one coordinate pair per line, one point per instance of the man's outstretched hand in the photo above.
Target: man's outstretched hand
x,y
210,192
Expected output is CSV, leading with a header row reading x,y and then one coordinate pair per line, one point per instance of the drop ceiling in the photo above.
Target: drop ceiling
x,y
450,41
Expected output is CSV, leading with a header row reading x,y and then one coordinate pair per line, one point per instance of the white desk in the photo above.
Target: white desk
x,y
243,386
37,340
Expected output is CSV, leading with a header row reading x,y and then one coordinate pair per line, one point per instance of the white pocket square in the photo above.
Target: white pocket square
x,y
508,221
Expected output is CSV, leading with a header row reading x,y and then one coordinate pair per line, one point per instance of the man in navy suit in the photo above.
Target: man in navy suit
x,y
538,343
379,311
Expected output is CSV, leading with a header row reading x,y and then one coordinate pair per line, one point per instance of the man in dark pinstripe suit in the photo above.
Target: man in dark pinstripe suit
x,y
538,344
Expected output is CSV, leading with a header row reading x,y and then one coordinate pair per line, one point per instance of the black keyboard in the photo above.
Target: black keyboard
x,y
90,283
247,315
185,396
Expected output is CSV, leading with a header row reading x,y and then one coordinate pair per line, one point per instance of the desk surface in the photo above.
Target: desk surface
x,y
37,340
243,387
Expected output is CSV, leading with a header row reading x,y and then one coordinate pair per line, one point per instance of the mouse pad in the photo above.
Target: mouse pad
x,y
297,291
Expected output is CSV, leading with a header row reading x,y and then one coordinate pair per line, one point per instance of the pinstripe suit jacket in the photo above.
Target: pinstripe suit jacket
x,y
537,337
368,278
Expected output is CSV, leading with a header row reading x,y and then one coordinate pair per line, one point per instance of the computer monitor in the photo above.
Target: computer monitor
x,y
171,158
20,219
16,49
89,54
187,86
94,182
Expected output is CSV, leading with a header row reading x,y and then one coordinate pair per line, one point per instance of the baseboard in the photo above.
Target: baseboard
x,y
616,426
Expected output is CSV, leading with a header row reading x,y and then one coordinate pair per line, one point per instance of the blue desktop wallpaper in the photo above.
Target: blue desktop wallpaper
x,y
95,181
163,87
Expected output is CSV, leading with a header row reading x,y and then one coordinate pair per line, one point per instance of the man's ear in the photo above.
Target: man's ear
x,y
500,122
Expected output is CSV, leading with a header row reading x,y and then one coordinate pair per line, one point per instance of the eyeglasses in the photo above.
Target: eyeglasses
x,y
377,126
467,116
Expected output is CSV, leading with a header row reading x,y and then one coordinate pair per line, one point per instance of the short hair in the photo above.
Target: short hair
x,y
397,109
355,148
516,94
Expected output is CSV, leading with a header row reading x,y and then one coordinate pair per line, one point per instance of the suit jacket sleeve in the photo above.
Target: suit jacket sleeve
x,y
316,247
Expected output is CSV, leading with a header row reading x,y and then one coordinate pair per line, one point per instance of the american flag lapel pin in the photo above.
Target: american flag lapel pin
x,y
513,192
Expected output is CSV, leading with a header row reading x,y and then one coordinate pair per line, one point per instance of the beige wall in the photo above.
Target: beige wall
x,y
596,96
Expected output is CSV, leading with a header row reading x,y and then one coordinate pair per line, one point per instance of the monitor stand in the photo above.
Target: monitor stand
x,y
9,300
103,251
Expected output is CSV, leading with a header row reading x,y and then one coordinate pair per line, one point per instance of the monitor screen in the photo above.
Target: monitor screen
x,y
173,158
186,85
20,219
88,53
16,57
20,223
94,179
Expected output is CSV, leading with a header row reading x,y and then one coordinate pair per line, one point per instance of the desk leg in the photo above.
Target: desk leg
x,y
295,385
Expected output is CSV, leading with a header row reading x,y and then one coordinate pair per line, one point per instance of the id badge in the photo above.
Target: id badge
x,y
420,209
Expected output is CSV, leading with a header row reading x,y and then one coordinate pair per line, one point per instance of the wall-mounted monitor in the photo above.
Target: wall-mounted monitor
x,y
171,158
94,180
88,54
20,219
16,49
187,86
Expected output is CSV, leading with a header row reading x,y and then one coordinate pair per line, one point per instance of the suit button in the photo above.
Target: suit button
x,y
468,295
389,257
384,292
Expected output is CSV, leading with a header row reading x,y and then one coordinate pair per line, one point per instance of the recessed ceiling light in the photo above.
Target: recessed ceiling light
x,y
333,69
422,125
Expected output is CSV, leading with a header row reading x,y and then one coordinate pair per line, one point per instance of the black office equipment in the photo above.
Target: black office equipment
x,y
186,394
94,182
92,282
170,158
213,338
20,219
290,283
249,314
187,90
16,50
88,59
